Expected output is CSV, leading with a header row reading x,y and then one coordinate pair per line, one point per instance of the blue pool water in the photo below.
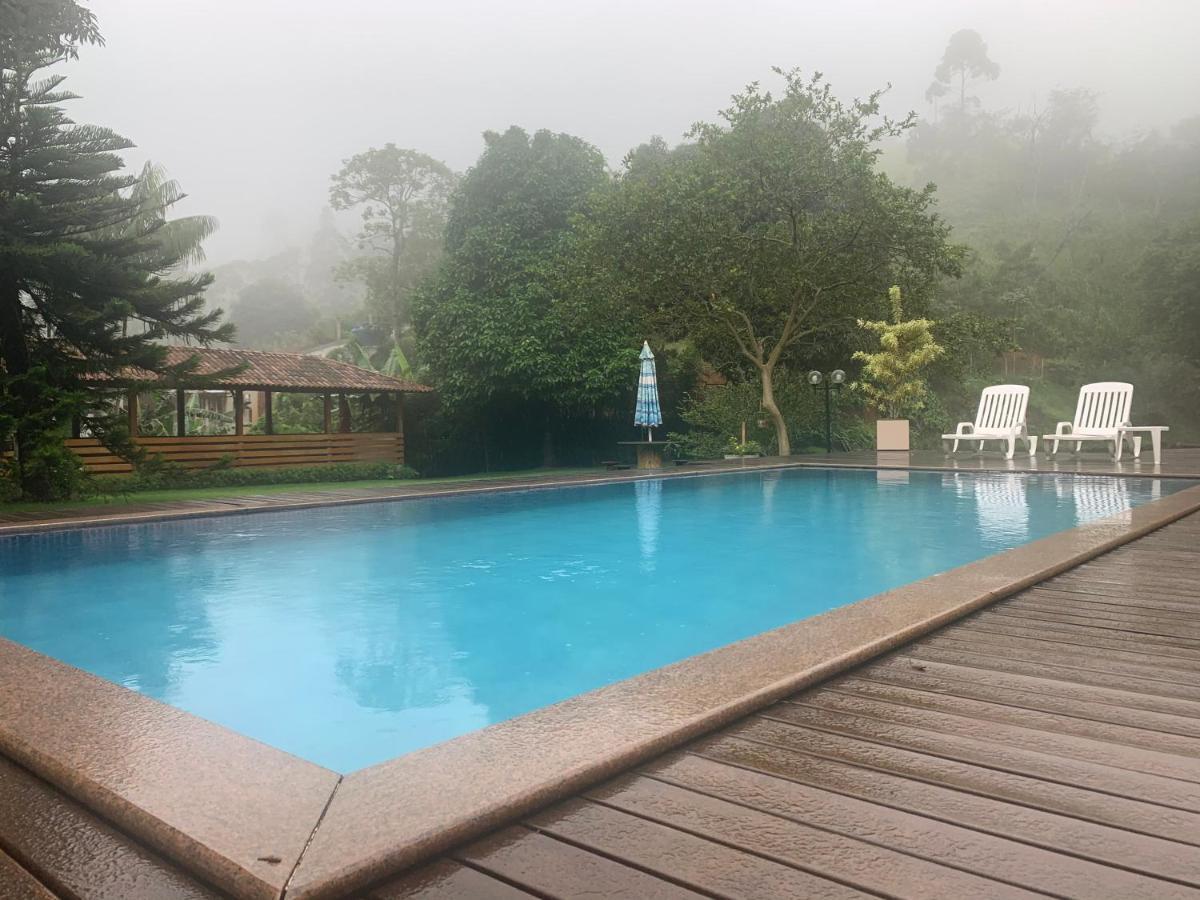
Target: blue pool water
x,y
351,635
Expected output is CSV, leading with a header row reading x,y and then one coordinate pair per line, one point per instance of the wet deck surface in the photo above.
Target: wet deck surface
x,y
1048,745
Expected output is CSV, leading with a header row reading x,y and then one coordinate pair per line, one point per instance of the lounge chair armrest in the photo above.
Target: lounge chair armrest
x,y
964,428
1062,428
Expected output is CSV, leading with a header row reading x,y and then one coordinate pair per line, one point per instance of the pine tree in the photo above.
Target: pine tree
x,y
91,269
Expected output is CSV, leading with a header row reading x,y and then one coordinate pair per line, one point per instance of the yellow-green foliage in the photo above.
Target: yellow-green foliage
x,y
891,378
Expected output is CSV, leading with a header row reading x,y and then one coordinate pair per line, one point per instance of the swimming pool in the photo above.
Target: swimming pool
x,y
350,635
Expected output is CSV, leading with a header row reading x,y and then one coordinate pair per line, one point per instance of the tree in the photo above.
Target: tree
x,y
403,196
271,313
892,376
774,230
84,250
966,56
512,321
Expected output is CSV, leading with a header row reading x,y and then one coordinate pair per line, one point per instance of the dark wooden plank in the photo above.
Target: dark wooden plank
x,y
1105,809
1002,663
1102,661
1038,678
1133,738
703,864
75,853
1040,701
962,726
1005,616
1016,862
552,868
1064,618
904,812
1074,634
1180,622
446,880
984,750
1156,602
828,853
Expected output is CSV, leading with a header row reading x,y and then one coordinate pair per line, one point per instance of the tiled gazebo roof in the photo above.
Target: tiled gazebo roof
x,y
265,371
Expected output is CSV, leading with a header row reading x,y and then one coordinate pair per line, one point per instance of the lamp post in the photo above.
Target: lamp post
x,y
834,382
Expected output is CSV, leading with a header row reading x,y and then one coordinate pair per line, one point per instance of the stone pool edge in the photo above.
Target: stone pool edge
x,y
244,816
391,816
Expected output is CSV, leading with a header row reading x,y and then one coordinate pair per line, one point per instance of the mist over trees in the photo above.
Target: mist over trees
x,y
1082,249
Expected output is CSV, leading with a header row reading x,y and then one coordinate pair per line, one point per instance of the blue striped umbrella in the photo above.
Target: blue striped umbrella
x,y
647,414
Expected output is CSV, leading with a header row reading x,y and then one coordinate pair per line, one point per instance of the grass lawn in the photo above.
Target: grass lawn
x,y
118,500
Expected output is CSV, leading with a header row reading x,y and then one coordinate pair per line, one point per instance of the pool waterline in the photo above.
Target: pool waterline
x,y
393,625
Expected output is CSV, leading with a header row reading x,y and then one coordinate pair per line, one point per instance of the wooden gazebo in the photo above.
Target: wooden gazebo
x,y
259,375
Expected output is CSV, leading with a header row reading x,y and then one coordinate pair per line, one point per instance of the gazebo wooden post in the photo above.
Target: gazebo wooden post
x,y
328,413
239,412
400,424
344,423
269,420
180,419
131,408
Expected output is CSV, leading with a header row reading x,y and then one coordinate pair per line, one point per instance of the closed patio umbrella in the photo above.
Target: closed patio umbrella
x,y
647,413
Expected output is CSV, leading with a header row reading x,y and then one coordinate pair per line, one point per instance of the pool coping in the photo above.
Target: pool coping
x,y
257,822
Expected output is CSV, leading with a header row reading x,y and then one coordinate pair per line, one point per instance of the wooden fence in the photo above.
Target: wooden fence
x,y
200,451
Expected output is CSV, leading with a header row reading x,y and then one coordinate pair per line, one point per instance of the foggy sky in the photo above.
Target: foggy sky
x,y
252,104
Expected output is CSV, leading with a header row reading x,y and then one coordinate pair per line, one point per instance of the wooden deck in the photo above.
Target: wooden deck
x,y
1048,745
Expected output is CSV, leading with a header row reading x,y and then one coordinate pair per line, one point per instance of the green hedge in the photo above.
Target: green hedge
x,y
178,479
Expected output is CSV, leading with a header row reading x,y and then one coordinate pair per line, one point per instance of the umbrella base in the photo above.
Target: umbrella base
x,y
649,453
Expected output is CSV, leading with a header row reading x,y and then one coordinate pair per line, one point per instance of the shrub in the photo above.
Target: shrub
x,y
171,479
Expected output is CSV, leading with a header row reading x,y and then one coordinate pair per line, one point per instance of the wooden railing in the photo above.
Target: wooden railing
x,y
200,451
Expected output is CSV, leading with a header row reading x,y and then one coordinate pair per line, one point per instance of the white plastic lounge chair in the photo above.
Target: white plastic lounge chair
x,y
1001,417
1102,411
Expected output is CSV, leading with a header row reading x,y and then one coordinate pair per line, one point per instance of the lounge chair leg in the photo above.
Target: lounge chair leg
x,y
1032,442
1012,448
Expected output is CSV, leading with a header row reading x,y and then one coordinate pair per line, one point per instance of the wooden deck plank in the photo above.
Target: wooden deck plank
x,y
1074,635
987,751
1107,809
1001,731
75,853
1042,682
554,868
999,662
446,880
763,831
705,865
1099,661
1018,715
1030,701
967,849
907,812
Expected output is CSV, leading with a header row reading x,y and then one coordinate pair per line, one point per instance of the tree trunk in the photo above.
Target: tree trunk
x,y
15,356
767,373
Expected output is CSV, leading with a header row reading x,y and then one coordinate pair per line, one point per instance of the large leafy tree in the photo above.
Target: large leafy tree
x,y
403,196
773,231
91,273
513,318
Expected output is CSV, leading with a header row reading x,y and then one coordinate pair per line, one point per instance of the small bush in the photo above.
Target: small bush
x,y
174,479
